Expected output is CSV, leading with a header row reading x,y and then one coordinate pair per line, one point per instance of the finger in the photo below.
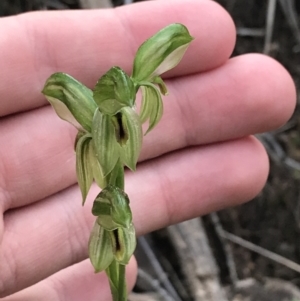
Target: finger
x,y
86,44
76,283
238,99
178,186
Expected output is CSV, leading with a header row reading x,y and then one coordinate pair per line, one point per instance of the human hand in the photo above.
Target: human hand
x,y
200,158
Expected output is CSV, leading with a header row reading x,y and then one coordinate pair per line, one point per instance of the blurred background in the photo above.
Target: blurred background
x,y
246,253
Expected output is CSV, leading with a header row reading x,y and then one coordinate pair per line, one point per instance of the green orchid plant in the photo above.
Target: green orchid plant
x,y
110,138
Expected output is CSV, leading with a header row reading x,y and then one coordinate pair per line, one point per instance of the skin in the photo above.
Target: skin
x,y
201,157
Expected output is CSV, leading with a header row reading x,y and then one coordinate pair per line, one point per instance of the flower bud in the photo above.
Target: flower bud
x,y
112,208
113,91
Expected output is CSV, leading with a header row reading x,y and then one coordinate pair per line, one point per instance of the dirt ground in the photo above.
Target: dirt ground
x,y
272,220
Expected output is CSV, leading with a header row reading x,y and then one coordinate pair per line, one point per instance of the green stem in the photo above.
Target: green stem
x,y
116,276
122,283
116,271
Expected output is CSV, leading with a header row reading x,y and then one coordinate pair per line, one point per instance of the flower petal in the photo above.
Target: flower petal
x,y
71,100
100,248
113,91
161,52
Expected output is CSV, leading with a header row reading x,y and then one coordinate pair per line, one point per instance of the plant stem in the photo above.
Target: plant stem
x,y
116,276
116,271
122,283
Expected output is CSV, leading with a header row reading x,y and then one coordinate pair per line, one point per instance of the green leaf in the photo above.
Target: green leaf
x,y
106,146
152,105
71,100
131,125
161,52
113,91
83,168
100,248
124,243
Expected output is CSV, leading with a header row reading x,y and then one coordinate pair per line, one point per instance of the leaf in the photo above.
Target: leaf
x,y
130,150
113,91
124,243
105,144
83,167
71,100
161,52
100,248
152,105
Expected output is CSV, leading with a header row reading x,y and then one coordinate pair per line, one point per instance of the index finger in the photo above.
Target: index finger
x,y
86,44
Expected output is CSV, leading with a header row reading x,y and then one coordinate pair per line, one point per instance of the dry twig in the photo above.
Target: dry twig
x,y
161,275
263,252
227,248
269,25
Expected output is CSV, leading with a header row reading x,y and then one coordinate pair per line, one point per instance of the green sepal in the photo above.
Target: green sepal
x,y
113,91
116,176
152,105
124,243
105,144
132,126
120,214
71,100
161,52
96,167
161,84
105,220
78,136
100,248
83,166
